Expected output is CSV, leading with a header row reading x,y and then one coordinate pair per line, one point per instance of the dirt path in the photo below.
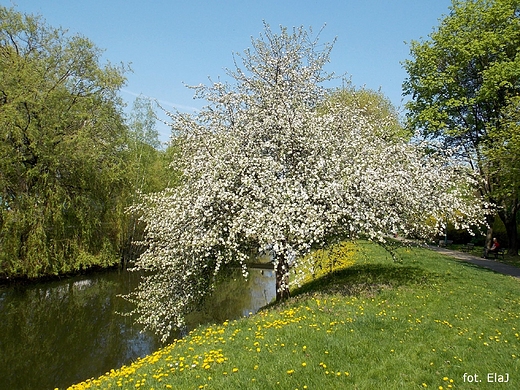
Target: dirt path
x,y
486,263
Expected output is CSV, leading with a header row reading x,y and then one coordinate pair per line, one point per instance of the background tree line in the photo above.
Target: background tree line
x,y
70,162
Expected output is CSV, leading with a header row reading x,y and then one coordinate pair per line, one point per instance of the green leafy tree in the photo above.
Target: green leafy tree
x,y
144,147
62,177
377,108
504,160
465,83
147,168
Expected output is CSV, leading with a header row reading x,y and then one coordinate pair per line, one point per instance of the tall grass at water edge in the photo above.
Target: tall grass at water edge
x,y
425,322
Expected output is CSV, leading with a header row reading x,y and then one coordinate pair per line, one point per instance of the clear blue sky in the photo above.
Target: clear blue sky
x,y
169,43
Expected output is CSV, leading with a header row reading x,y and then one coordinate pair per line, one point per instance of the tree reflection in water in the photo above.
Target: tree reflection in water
x,y
57,333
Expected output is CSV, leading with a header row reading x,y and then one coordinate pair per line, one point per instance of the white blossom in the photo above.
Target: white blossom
x,y
265,171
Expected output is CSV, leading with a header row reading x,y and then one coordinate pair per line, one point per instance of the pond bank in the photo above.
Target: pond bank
x,y
59,332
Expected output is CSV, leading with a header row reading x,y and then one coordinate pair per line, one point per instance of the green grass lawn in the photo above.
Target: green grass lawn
x,y
425,322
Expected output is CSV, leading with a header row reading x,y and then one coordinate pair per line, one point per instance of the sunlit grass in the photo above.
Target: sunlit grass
x,y
420,323
323,262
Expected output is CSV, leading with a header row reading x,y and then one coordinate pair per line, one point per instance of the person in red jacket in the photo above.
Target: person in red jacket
x,y
493,249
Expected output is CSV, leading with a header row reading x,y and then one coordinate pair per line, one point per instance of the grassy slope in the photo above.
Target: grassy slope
x,y
378,324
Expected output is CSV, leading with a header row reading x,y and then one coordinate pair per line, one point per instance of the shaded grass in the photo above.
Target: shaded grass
x,y
510,260
420,323
366,278
478,250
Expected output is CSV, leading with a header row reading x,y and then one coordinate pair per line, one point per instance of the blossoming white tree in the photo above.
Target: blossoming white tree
x,y
265,170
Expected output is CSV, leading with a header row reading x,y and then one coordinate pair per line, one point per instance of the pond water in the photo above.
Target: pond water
x,y
57,333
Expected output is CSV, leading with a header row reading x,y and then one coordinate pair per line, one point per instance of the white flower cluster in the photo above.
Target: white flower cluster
x,y
266,171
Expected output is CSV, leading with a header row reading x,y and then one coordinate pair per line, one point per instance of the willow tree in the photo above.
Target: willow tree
x,y
61,145
267,169
465,82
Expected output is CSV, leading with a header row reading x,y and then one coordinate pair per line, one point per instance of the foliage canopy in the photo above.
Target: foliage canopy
x,y
465,84
62,138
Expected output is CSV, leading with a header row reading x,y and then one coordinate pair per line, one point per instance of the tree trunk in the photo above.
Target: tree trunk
x,y
509,220
282,279
490,219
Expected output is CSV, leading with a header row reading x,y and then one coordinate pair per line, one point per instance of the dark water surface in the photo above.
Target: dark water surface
x,y
54,334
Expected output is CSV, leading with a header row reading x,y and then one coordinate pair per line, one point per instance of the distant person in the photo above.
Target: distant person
x,y
494,248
